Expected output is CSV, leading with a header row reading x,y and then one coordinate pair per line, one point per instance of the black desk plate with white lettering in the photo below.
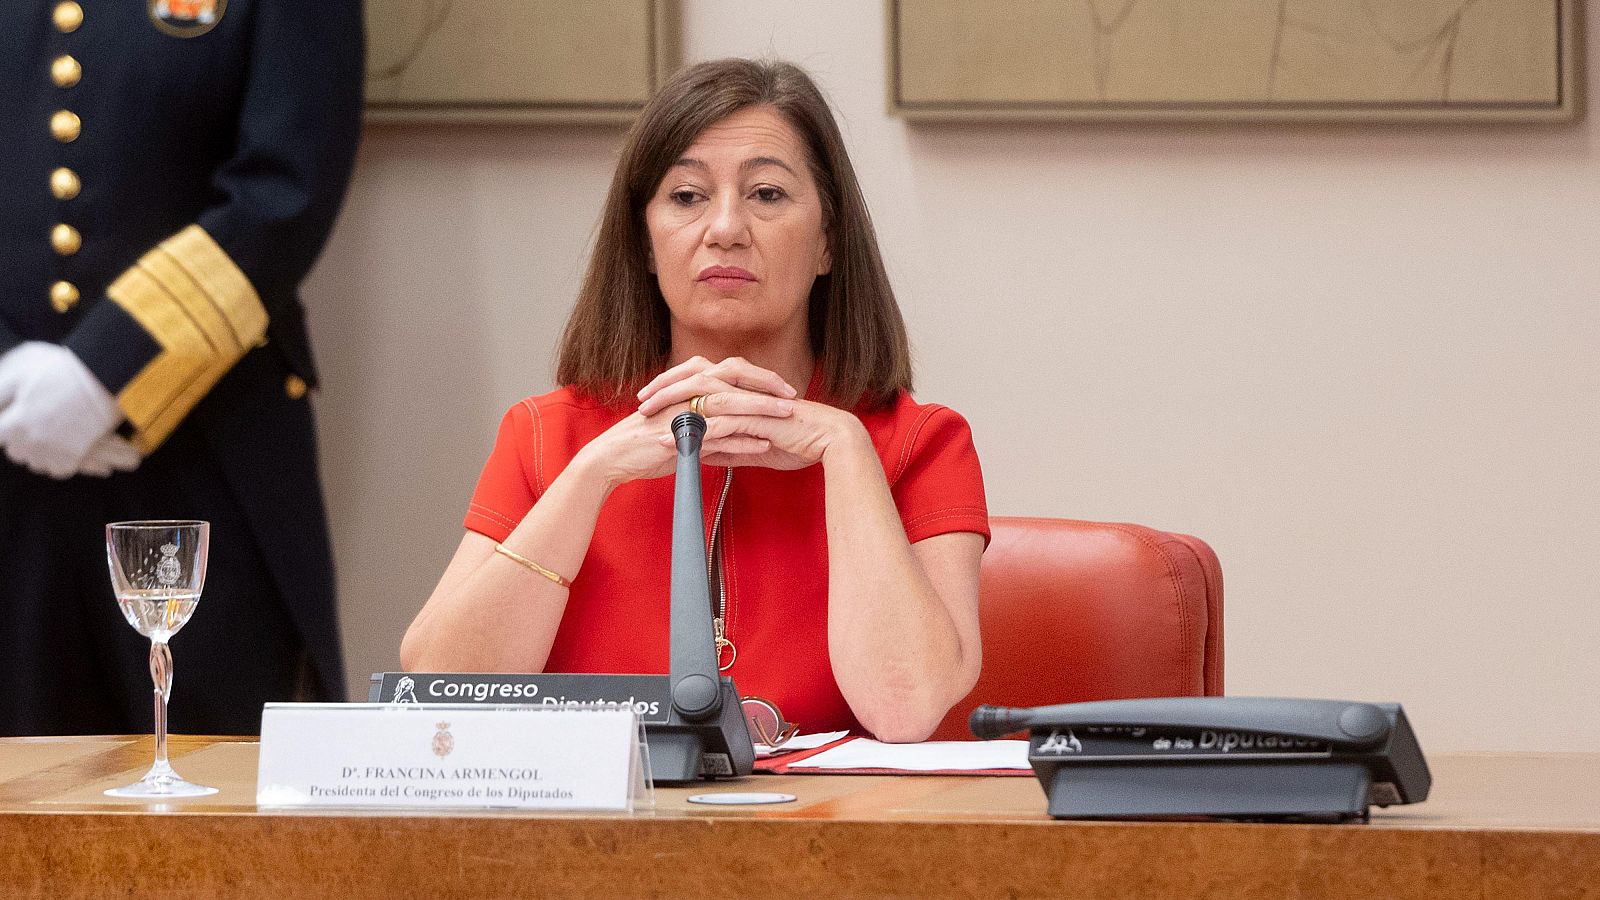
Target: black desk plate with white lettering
x,y
648,695
680,750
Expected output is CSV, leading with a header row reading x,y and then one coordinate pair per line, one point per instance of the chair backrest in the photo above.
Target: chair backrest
x,y
1077,611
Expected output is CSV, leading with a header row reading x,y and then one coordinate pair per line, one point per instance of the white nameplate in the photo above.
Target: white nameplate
x,y
447,755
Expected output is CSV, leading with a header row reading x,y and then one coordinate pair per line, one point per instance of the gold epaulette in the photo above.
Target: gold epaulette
x,y
202,310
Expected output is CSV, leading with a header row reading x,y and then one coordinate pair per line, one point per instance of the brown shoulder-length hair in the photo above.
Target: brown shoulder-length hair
x,y
618,337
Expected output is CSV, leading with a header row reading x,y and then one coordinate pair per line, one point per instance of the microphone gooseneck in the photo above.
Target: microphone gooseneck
x,y
696,689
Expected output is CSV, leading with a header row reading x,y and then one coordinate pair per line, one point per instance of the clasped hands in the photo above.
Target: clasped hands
x,y
56,418
753,418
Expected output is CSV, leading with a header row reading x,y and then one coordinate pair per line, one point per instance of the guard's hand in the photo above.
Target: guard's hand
x,y
110,454
52,408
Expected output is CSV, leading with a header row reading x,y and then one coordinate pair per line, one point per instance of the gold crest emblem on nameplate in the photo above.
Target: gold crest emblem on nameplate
x,y
186,18
443,741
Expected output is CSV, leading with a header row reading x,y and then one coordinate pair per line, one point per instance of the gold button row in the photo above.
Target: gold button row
x,y
65,126
64,239
68,16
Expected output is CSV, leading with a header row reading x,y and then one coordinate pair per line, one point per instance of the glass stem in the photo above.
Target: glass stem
x,y
161,674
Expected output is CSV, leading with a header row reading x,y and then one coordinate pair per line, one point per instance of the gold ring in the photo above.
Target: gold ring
x,y
697,405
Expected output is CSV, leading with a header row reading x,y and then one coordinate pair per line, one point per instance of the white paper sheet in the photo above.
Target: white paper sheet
x,y
800,742
930,756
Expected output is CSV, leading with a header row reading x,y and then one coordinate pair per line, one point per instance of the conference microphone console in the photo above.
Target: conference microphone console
x,y
1258,758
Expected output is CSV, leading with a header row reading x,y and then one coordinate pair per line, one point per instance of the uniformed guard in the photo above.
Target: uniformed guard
x,y
172,169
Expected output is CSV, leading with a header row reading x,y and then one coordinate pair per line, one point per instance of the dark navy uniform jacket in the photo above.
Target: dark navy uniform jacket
x,y
170,177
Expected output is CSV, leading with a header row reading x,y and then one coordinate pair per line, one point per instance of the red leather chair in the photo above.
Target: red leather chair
x,y
1076,611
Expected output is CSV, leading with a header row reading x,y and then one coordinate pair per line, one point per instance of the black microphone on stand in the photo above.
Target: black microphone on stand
x,y
707,734
696,694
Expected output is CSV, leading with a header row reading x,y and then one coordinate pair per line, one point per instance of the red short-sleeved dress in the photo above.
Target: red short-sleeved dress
x,y
775,550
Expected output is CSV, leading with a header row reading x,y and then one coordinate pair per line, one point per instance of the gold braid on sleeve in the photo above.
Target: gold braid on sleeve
x,y
199,306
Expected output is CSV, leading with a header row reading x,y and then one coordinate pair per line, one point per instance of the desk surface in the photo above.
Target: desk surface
x,y
1497,825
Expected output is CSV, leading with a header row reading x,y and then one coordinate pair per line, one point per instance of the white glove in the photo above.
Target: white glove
x,y
110,454
52,408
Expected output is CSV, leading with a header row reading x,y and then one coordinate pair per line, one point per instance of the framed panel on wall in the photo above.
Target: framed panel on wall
x,y
1235,60
516,60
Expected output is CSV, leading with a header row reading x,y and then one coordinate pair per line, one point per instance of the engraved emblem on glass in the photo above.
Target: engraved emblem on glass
x,y
158,569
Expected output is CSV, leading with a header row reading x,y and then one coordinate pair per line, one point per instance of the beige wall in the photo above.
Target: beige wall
x,y
1361,363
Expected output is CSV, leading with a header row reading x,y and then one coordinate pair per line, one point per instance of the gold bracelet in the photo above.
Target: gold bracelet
x,y
530,565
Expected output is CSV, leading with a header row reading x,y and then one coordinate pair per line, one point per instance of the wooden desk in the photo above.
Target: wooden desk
x,y
1501,826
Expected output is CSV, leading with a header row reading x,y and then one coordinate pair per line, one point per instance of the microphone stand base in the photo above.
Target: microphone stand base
x,y
719,747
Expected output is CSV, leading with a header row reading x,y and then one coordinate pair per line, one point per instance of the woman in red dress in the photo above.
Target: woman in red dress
x,y
736,270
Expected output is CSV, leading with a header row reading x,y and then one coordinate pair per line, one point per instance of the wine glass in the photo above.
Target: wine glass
x,y
157,571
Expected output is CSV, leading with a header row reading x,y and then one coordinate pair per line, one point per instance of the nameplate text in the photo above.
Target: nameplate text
x,y
447,756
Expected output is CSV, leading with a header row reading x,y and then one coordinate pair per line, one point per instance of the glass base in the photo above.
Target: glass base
x,y
160,787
